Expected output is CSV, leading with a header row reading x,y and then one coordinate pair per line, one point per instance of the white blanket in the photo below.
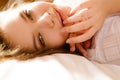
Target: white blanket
x,y
58,67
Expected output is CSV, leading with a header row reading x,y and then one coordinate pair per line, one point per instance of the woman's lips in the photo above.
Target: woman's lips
x,y
61,14
59,17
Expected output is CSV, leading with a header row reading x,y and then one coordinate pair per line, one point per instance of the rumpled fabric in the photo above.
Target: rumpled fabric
x,y
106,43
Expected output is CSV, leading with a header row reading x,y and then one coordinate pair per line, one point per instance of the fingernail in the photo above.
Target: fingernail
x,y
65,21
68,41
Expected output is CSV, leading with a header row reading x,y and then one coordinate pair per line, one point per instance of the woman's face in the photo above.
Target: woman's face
x,y
35,26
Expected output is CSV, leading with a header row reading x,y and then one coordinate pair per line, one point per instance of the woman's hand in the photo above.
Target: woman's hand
x,y
88,16
81,47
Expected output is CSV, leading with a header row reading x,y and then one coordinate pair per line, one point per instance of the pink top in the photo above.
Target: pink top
x,y
106,48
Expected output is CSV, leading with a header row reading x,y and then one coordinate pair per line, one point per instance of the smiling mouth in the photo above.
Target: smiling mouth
x,y
59,16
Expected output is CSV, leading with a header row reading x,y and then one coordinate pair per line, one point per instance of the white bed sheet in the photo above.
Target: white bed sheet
x,y
58,67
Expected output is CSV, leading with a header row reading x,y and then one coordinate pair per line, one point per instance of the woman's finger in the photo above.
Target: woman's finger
x,y
82,50
72,45
79,26
83,5
79,16
82,38
87,44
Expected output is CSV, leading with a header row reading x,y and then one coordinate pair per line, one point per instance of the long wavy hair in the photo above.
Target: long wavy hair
x,y
7,52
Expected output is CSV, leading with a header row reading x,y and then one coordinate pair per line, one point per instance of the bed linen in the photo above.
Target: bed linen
x,y
58,67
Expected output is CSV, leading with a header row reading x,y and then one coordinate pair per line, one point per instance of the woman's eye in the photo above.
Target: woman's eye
x,y
28,14
41,40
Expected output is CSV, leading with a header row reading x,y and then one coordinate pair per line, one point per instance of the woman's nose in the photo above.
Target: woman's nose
x,y
46,20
